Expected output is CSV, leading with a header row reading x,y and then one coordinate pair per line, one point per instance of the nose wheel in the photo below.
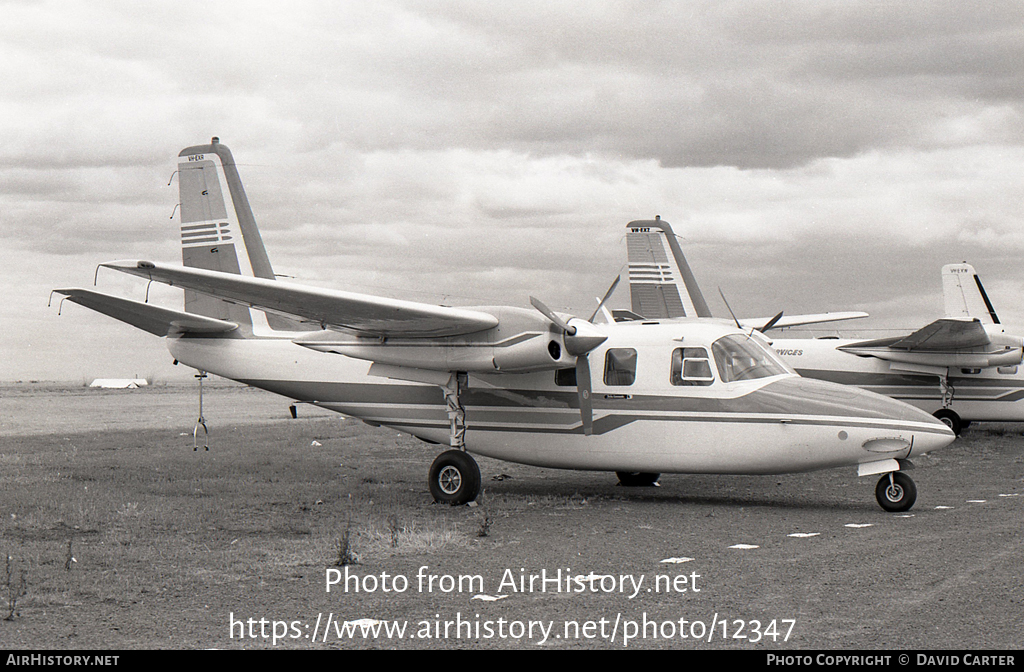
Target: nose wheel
x,y
637,479
896,492
951,419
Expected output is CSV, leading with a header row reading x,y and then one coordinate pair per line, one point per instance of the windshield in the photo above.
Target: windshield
x,y
742,358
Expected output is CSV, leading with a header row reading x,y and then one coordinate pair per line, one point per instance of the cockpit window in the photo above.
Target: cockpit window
x,y
743,358
620,366
691,366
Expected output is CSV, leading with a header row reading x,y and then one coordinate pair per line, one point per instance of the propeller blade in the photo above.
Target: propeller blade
x,y
722,294
607,295
583,388
548,313
771,322
579,338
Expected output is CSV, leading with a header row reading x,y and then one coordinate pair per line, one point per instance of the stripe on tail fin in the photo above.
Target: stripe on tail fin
x,y
964,296
661,284
219,232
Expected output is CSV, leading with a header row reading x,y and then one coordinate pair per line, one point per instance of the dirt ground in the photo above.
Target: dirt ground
x,y
115,534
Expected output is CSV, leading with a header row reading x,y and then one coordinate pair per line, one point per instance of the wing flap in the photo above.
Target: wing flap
x,y
361,313
154,319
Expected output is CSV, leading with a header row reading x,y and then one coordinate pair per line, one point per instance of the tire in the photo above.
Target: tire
x,y
454,478
637,479
950,419
897,496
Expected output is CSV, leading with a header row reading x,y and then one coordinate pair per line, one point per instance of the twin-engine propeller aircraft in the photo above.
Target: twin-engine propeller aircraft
x,y
960,368
526,385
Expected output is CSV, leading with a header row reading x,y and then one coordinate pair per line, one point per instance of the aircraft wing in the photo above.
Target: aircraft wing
x,y
951,342
145,316
797,320
946,334
361,313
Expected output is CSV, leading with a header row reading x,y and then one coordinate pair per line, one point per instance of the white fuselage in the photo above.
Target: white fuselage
x,y
981,394
776,424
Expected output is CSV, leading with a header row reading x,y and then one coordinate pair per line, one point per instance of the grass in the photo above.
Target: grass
x,y
119,517
129,539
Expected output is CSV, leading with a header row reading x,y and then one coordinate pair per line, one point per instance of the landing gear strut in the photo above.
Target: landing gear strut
x,y
454,476
946,414
896,492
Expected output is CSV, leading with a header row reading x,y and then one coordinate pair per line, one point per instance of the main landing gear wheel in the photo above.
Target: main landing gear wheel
x,y
637,479
951,420
454,478
896,492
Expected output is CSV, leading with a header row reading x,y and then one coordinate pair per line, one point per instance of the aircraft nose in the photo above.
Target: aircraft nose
x,y
879,424
923,431
900,427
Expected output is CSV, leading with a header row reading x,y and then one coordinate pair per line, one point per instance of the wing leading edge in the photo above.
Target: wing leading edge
x,y
360,313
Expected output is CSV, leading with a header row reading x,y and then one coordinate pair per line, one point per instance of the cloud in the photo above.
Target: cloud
x,y
812,156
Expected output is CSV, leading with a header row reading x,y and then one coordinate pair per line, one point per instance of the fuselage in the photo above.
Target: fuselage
x,y
983,394
673,397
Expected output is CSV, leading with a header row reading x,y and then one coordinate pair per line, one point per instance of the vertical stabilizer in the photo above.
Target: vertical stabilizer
x,y
218,230
964,295
661,284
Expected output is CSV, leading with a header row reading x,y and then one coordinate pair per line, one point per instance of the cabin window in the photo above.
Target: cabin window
x,y
620,366
691,366
742,358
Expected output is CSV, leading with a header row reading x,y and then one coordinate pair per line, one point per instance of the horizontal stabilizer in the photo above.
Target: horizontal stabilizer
x,y
797,320
154,319
360,313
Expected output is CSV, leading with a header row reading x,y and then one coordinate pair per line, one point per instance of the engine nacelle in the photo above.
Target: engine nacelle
x,y
536,352
968,360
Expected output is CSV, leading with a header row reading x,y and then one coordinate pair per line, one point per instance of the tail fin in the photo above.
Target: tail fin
x,y
964,296
218,230
661,284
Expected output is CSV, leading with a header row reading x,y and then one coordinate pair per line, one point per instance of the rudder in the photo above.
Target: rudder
x,y
661,284
964,295
218,230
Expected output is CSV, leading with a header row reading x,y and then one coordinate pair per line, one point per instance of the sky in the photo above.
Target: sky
x,y
811,156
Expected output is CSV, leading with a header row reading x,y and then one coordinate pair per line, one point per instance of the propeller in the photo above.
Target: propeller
x,y
580,338
768,325
722,294
771,323
607,295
